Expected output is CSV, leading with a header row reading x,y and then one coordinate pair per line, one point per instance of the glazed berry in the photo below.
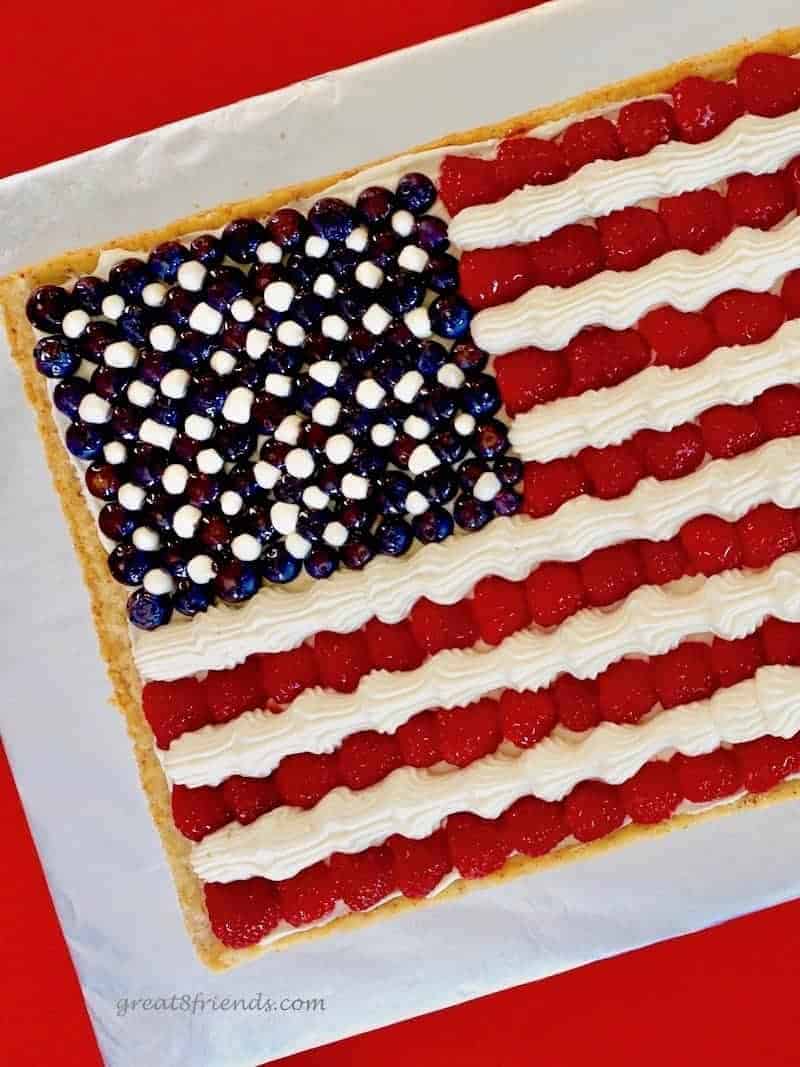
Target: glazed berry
x,y
351,302
393,537
481,396
236,581
147,611
704,108
491,276
696,220
85,441
202,489
223,286
366,757
152,366
644,124
111,382
129,278
165,259
507,502
491,439
89,293
365,878
357,552
95,339
103,480
759,200
769,84
213,533
593,809
477,845
631,238
590,139
742,318
207,249
430,233
527,717
375,204
509,470
278,566
416,193
465,181
405,293
166,411
533,826
438,485
47,306
178,306
321,561
128,564
206,396
468,357
652,794
135,324
125,421
115,522
383,249
68,394
529,161
287,228
471,514
241,238
332,218
442,273
55,357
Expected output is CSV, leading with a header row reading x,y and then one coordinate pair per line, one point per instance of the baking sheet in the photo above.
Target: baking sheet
x,y
68,749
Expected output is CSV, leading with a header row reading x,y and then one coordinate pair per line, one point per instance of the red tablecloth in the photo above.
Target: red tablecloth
x,y
78,75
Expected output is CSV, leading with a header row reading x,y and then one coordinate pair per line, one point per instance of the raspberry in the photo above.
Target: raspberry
x,y
778,411
529,161
696,220
711,544
704,108
286,674
468,733
529,377
609,574
781,642
742,318
592,810
671,454
652,794
439,626
729,431
759,200
612,471
308,896
419,740
769,84
231,692
709,777
663,561
677,338
242,913
568,256
588,140
631,238
342,659
527,717
765,762
200,811
248,798
625,691
643,124
367,757
419,866
684,674
477,846
549,485
465,181
554,592
733,661
392,647
599,357
533,827
302,780
765,533
174,708
491,276
499,608
790,293
793,177
363,878
576,701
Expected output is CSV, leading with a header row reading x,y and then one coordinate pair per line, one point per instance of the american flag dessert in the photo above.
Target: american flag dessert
x,y
441,519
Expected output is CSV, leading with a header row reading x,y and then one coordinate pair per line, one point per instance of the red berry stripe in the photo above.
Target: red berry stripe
x,y
765,84
242,913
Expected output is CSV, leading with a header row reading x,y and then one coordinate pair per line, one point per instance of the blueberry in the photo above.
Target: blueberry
x,y
287,228
55,357
308,310
383,249
47,306
128,564
356,516
430,233
430,357
342,264
328,480
236,581
449,446
207,249
480,396
352,301
289,489
438,485
267,413
507,502
191,599
471,514
165,259
362,348
450,316
95,339
310,524
368,462
468,357
115,522
147,611
84,441
192,349
167,412
509,470
358,552
202,489
321,561
347,383
175,558
185,448
111,382
125,422
260,276
152,366
389,371
439,404
89,293
395,487
491,439
278,566
332,218
309,394
402,447
469,473
416,193
234,337
178,306
68,394
313,437
135,323
300,271
147,464
435,524
223,286
399,337
405,292
206,395
235,443
103,480
393,537
213,532
283,360
356,421
254,519
274,452
375,204
159,509
241,480
129,278
241,238
442,273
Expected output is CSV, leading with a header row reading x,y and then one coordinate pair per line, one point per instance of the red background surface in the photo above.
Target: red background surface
x,y
76,76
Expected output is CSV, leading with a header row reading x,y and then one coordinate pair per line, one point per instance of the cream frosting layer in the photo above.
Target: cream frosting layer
x,y
659,398
278,619
415,801
651,621
751,143
549,318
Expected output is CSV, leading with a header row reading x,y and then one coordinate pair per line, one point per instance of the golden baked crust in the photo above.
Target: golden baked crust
x,y
108,598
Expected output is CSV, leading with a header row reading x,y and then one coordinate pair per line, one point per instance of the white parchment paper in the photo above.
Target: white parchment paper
x,y
69,750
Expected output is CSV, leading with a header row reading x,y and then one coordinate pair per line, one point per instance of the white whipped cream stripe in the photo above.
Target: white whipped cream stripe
x,y
415,801
549,318
751,143
658,398
276,620
650,621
